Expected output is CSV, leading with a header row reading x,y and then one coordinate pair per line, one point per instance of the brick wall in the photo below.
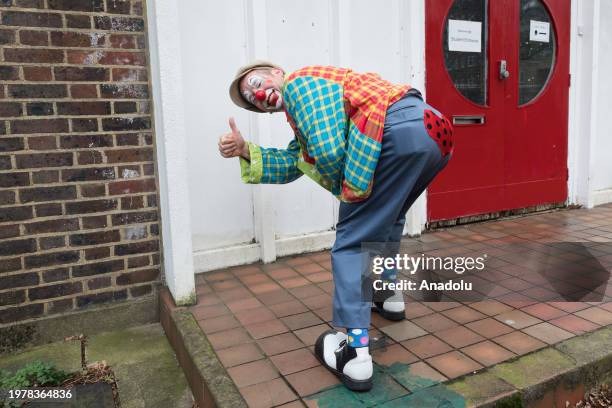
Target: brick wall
x,y
78,203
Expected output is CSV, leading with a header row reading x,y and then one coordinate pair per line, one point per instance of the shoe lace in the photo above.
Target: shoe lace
x,y
341,345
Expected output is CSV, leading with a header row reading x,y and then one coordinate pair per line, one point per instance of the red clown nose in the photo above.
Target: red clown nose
x,y
260,95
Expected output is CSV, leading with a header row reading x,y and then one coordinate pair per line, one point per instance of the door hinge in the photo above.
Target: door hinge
x,y
569,81
566,173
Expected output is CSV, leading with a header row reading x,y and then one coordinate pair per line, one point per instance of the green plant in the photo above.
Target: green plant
x,y
34,374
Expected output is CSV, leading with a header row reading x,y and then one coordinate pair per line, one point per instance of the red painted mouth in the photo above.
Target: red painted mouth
x,y
272,99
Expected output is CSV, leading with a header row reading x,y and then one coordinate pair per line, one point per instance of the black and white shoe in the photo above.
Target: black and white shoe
x,y
389,304
352,365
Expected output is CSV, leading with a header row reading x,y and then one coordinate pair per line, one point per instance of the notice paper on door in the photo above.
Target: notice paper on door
x,y
539,31
464,36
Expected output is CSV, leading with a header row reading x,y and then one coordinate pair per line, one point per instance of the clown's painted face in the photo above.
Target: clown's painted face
x,y
262,88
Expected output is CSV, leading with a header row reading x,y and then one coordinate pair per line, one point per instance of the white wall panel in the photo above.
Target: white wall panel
x,y
602,139
213,40
374,37
298,35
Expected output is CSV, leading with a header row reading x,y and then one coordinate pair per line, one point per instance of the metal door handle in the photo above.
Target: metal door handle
x,y
503,70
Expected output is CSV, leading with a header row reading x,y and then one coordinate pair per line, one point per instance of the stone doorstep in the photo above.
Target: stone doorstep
x,y
557,373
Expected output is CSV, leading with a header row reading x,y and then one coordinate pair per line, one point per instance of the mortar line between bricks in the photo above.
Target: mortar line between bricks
x,y
68,64
82,262
71,13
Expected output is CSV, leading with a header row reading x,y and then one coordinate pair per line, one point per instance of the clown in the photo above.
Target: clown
x,y
376,146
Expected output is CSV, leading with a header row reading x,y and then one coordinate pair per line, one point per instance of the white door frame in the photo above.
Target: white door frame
x,y
171,146
583,108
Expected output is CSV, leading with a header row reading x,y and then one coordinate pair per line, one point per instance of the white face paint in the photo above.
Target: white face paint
x,y
254,82
271,100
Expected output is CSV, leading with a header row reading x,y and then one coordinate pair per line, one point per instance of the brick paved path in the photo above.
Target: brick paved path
x,y
262,320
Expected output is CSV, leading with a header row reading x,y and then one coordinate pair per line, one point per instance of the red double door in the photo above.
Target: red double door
x,y
500,70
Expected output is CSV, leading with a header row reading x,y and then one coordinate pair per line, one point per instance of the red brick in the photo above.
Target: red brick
x,y
77,5
30,3
118,7
105,57
39,108
8,73
119,23
122,41
9,231
84,91
131,186
78,21
44,143
49,210
126,91
14,314
30,161
129,155
81,74
47,194
51,291
92,190
8,109
7,37
98,253
86,141
29,19
41,227
129,75
95,222
83,108
76,39
28,37
37,91
44,56
11,144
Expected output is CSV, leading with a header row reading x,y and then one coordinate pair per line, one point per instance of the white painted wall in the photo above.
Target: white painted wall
x,y
213,46
602,138
590,141
230,219
166,71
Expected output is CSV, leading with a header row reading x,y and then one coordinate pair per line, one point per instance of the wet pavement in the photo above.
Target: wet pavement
x,y
535,291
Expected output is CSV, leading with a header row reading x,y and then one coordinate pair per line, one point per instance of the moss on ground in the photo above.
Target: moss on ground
x,y
148,374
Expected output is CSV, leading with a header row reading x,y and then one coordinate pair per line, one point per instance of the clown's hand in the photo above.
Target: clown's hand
x,y
232,144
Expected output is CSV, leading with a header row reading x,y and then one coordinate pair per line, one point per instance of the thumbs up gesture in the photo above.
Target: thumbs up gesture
x,y
232,144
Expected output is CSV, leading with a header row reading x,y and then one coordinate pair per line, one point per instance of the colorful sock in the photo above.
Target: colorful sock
x,y
389,275
358,337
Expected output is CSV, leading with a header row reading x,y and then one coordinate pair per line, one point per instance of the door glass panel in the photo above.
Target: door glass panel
x,y
465,45
537,50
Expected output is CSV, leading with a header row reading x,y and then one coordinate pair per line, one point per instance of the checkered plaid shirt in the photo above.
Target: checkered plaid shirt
x,y
338,117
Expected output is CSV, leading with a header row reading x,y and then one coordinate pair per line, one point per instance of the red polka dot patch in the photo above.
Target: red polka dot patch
x,y
440,130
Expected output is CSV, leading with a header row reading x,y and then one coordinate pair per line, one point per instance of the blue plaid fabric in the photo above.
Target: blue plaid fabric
x,y
328,145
